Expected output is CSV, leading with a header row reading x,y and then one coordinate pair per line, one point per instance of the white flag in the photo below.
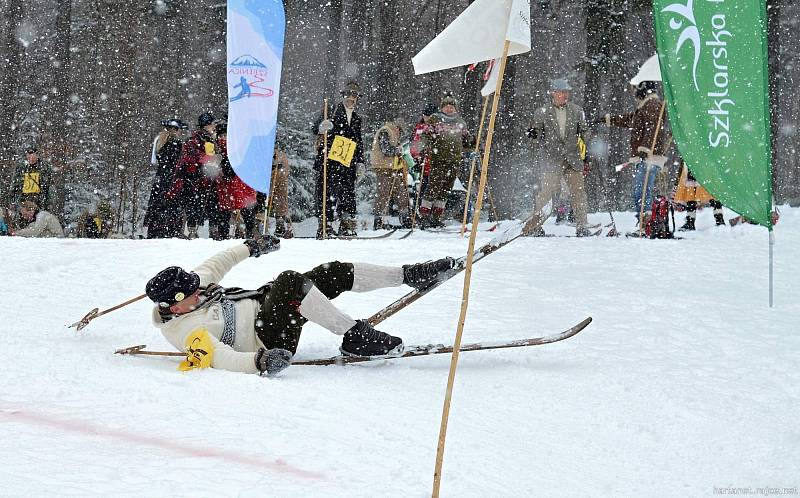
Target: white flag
x,y
478,34
650,71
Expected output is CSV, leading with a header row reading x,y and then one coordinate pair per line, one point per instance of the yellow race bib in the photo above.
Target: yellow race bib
x,y
342,150
199,351
30,183
397,163
210,150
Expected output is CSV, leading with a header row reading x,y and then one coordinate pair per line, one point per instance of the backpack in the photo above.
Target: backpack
x,y
658,225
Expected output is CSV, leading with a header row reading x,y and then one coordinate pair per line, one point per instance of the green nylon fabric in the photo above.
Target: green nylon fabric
x,y
713,58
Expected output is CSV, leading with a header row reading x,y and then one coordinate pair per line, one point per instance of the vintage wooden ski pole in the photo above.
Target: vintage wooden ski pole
x,y
325,173
80,324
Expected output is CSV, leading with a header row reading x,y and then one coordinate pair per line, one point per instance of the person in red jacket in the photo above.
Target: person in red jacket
x,y
232,193
193,180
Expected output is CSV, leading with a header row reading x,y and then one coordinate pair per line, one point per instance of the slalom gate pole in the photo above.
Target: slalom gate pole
x,y
472,168
437,475
771,246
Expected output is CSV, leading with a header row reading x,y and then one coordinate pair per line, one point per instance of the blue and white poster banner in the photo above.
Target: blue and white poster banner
x,y
255,51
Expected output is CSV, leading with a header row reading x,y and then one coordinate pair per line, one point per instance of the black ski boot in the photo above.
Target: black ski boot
x,y
364,340
377,223
422,275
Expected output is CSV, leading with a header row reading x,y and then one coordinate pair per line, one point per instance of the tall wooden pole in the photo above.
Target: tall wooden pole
x,y
472,168
325,173
437,475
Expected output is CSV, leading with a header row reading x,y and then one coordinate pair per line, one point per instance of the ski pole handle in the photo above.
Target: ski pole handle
x,y
83,322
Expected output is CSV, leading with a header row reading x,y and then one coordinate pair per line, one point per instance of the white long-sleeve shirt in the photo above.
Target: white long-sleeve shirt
x,y
45,225
240,357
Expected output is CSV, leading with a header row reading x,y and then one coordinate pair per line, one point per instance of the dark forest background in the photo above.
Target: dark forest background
x,y
88,82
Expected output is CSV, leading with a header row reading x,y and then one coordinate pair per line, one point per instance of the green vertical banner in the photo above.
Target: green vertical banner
x,y
713,58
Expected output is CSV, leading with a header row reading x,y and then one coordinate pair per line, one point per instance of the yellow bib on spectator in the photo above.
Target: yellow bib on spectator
x,y
30,183
342,150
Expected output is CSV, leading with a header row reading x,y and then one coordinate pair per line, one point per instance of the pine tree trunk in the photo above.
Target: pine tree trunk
x,y
9,78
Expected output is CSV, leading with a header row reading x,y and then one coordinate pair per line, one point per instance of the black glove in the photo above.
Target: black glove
x,y
262,244
600,120
642,155
532,133
271,361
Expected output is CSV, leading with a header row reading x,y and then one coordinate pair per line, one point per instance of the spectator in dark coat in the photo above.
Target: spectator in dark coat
x,y
162,219
343,122
31,181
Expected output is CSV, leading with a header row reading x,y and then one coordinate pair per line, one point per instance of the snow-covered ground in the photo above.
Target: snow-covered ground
x,y
686,381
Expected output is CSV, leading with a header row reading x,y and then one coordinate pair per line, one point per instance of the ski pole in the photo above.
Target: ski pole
x,y
325,174
80,324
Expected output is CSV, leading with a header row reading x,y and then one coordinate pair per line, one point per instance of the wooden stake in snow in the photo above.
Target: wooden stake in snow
x,y
437,475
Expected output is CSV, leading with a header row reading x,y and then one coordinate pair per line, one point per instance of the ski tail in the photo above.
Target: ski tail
x,y
430,349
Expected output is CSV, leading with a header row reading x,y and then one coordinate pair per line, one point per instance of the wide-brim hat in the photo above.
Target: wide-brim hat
x,y
351,88
172,285
560,85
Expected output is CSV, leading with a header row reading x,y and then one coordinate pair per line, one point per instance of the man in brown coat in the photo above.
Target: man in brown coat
x,y
390,172
648,140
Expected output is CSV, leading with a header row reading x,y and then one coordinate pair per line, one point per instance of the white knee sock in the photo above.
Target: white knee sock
x,y
367,277
319,309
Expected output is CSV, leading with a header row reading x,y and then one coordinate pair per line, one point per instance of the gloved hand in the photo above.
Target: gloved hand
x,y
325,126
271,361
599,120
360,170
262,244
642,155
532,133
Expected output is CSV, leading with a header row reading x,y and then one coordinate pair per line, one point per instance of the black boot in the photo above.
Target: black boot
x,y
689,225
377,223
347,227
329,233
364,340
717,212
422,275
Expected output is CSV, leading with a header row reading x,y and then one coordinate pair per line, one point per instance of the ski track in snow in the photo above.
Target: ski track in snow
x,y
685,381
